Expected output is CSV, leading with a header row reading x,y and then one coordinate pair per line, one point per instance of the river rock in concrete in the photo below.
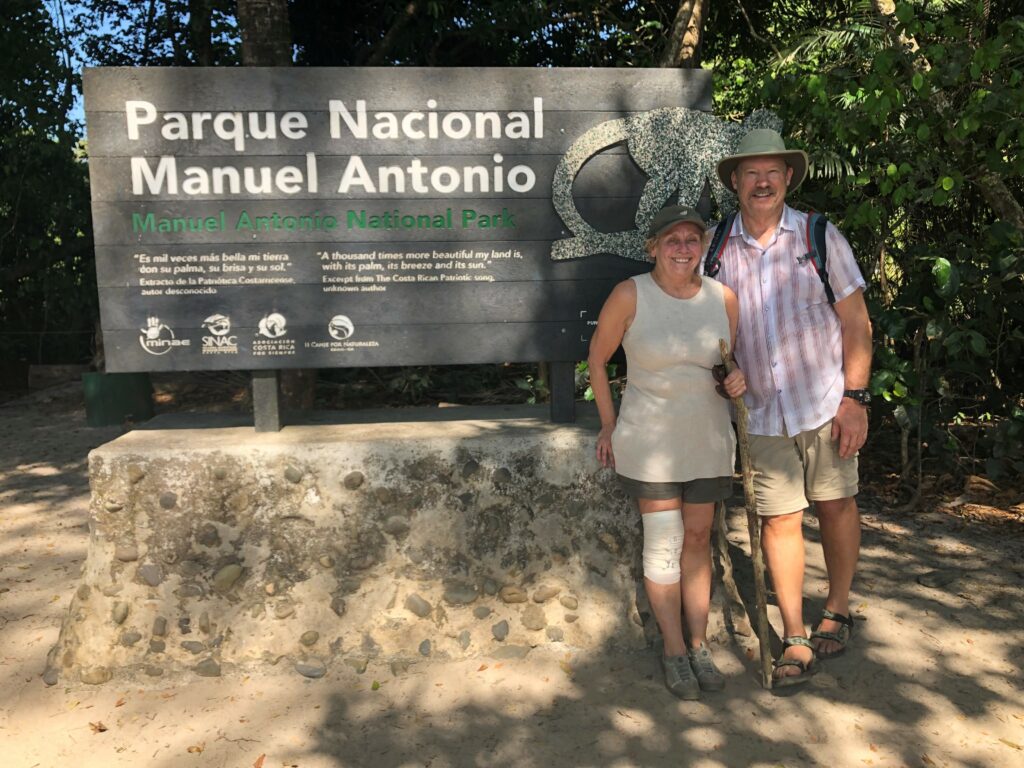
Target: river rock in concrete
x,y
95,675
570,618
353,480
482,611
168,500
544,593
151,573
208,535
154,671
555,634
135,473
207,668
491,587
126,553
502,476
464,639
226,577
119,612
469,469
309,638
569,601
500,630
418,605
284,610
128,639
312,668
533,618
459,594
159,626
512,594
424,648
194,647
338,605
292,474
50,676
157,646
396,525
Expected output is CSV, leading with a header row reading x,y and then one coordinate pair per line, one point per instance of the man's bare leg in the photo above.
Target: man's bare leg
x,y
839,521
782,540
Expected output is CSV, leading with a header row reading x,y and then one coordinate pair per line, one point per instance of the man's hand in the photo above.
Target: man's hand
x,y
604,447
850,427
731,385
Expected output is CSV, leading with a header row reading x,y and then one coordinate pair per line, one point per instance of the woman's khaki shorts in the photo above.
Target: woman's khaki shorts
x,y
704,490
791,471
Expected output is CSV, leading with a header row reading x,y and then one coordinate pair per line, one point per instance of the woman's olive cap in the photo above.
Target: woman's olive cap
x,y
674,214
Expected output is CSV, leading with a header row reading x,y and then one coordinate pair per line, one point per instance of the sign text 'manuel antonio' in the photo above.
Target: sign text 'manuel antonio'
x,y
165,174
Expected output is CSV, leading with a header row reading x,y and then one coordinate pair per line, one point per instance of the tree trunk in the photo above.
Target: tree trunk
x,y
684,39
266,34
267,42
990,185
199,26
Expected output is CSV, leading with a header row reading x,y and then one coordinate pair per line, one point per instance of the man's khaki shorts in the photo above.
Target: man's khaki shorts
x,y
791,471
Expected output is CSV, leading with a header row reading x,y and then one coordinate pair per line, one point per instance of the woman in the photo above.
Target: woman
x,y
672,444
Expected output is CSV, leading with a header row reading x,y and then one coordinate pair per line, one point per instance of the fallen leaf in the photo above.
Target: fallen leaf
x,y
98,727
1009,743
259,761
481,668
375,686
566,667
927,760
197,749
119,703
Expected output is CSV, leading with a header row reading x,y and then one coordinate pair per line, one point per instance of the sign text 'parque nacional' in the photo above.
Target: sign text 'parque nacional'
x,y
273,218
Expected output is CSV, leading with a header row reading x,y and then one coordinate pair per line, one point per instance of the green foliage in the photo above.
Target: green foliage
x,y
47,277
924,112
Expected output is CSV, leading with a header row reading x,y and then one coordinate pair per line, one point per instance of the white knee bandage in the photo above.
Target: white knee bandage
x,y
663,545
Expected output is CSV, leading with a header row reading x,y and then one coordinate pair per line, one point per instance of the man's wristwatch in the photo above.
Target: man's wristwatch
x,y
860,396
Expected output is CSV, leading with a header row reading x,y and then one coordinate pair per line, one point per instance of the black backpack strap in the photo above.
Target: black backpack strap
x,y
713,261
817,251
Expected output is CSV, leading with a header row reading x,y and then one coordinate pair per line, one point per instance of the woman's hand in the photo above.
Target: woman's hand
x,y
604,447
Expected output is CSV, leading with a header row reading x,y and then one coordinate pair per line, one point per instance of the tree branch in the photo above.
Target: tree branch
x,y
382,48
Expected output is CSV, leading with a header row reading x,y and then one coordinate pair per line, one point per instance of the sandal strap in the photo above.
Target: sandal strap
x,y
839,637
832,616
784,662
797,640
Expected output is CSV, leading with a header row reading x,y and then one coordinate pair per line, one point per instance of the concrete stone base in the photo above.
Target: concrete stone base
x,y
486,533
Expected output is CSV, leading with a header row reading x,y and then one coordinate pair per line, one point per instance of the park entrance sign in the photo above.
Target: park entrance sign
x,y
272,218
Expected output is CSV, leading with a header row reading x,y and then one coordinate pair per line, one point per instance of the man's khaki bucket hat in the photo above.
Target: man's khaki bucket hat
x,y
764,142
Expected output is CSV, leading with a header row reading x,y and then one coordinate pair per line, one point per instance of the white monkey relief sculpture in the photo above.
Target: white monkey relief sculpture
x,y
677,148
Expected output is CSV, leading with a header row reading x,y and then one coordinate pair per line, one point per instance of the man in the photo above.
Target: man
x,y
807,364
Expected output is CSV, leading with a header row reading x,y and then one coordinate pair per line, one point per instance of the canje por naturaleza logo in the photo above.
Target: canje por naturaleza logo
x,y
157,338
340,327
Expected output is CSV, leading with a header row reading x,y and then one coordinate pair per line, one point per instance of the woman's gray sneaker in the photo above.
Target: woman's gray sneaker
x,y
708,676
679,677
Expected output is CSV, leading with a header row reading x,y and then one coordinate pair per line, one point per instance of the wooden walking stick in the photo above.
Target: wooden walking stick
x,y
753,526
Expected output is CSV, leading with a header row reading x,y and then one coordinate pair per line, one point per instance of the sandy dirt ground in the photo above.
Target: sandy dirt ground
x,y
933,677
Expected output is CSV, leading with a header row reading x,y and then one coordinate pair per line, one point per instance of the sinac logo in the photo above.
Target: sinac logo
x,y
218,325
340,327
157,338
273,326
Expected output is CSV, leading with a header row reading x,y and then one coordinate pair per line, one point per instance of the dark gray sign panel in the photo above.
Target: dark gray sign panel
x,y
273,218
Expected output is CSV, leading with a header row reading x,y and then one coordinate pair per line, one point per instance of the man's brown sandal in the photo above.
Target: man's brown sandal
x,y
807,670
841,636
